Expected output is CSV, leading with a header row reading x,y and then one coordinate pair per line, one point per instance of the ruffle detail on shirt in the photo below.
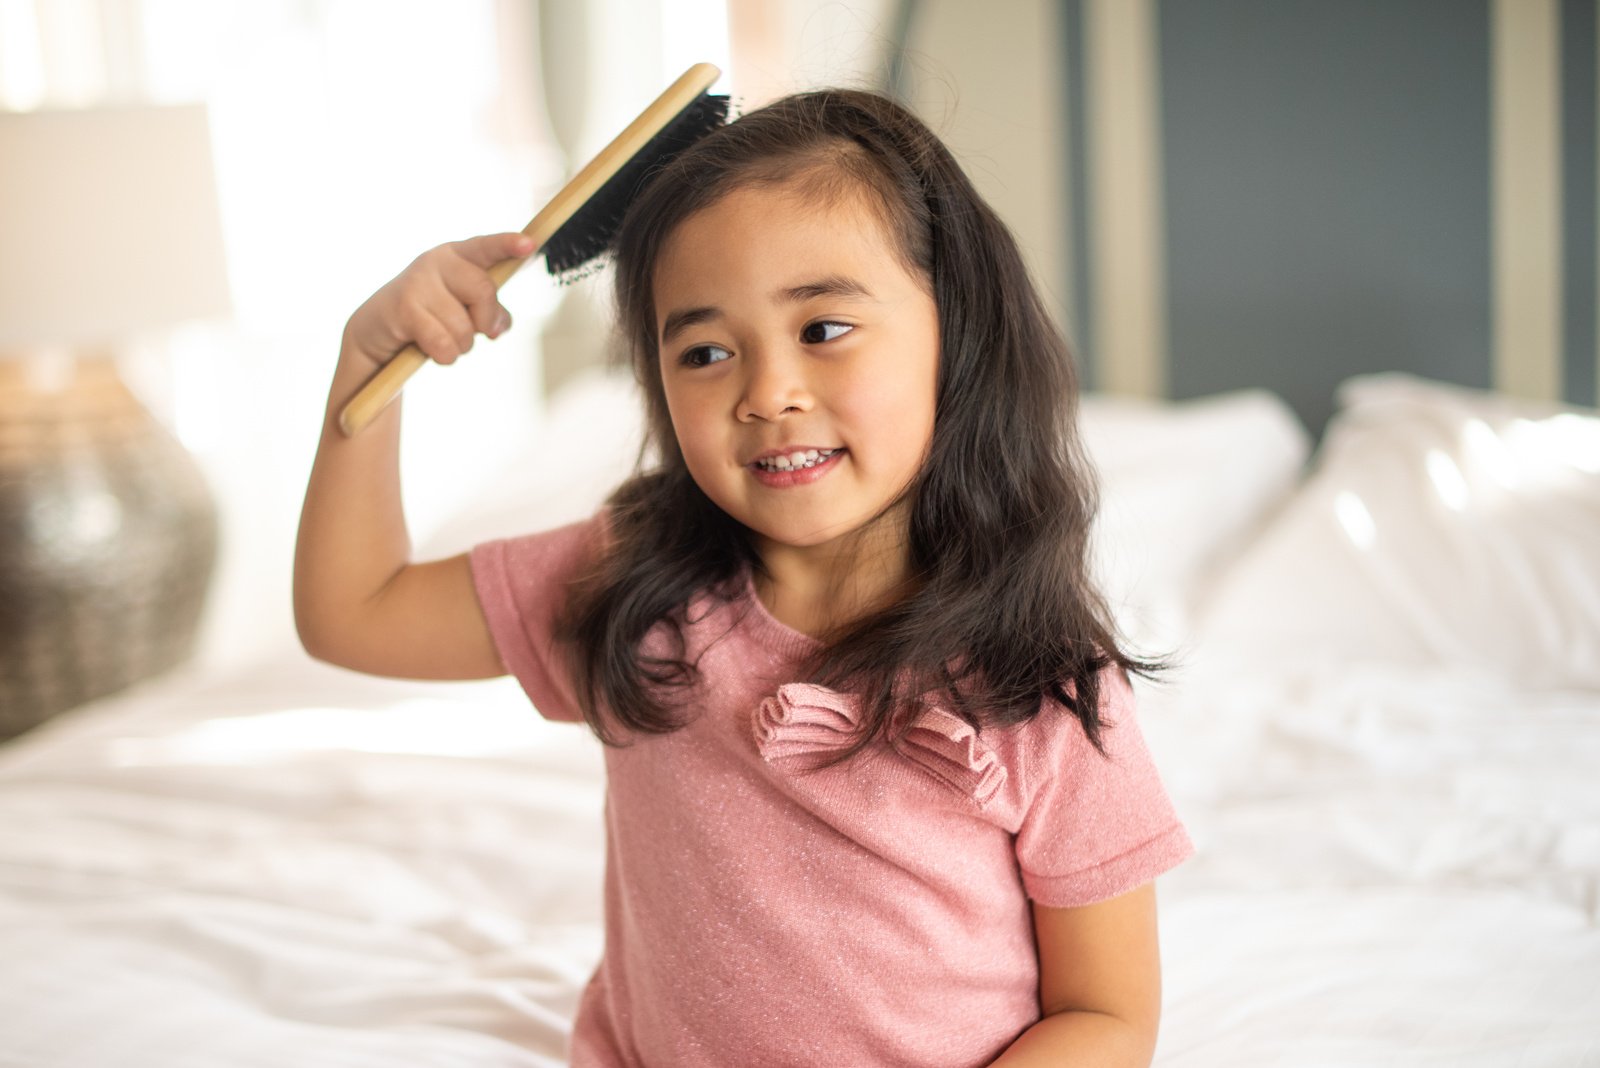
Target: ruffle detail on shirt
x,y
806,721
802,720
947,746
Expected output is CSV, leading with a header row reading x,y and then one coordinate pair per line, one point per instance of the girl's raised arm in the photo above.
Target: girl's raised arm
x,y
359,600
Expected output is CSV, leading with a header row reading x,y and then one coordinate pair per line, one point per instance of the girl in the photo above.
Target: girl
x,y
876,793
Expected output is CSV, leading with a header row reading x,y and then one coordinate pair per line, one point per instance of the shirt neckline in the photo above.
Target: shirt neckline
x,y
771,630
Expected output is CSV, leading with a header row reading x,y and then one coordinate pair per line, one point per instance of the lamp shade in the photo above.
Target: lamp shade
x,y
108,225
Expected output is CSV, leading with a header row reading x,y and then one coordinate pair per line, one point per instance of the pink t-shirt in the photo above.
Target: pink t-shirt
x,y
875,913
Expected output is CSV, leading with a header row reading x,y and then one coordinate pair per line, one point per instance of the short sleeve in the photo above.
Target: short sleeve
x,y
1096,826
522,586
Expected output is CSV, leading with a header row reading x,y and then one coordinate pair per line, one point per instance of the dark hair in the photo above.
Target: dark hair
x,y
1003,612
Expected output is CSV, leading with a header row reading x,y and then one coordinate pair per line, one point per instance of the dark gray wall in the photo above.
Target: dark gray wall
x,y
1327,193
1578,193
1326,174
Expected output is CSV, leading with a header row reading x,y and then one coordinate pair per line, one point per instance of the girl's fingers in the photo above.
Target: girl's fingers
x,y
502,322
471,285
490,249
447,296
443,332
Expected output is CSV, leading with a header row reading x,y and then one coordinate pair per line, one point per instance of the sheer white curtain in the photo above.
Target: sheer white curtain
x,y
348,136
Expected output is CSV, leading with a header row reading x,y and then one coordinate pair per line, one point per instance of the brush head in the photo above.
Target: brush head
x,y
593,227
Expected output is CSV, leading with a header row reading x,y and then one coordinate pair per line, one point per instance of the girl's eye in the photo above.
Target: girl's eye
x,y
701,355
818,332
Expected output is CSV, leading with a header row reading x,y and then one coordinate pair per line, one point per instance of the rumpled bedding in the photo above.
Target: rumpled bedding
x,y
1398,853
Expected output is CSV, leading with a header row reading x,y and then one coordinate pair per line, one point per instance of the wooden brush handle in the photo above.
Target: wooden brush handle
x,y
384,386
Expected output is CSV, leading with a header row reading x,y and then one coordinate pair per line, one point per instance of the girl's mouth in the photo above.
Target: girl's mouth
x,y
795,461
797,468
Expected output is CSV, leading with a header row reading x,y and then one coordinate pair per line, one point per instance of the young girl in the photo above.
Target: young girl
x,y
876,793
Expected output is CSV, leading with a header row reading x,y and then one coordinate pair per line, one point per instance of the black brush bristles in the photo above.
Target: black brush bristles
x,y
593,227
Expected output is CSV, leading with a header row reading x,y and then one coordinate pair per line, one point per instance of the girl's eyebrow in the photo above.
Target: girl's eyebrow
x,y
835,285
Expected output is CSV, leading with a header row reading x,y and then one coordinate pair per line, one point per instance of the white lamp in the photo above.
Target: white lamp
x,y
109,234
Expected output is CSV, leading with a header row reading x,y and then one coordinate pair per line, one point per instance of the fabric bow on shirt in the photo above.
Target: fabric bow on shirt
x,y
802,720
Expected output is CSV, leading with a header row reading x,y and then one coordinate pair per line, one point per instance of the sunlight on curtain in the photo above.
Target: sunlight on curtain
x,y
694,31
21,66
348,137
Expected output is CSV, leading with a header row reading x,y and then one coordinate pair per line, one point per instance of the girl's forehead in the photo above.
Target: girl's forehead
x,y
774,230
764,207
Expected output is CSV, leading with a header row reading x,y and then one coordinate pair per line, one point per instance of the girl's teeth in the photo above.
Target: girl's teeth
x,y
797,460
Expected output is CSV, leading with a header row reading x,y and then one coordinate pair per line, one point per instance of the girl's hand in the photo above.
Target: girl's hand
x,y
441,302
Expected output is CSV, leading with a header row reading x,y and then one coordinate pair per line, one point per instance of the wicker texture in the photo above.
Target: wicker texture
x,y
108,541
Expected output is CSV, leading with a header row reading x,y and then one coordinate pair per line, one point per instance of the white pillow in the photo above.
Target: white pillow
x,y
1184,486
584,448
1441,526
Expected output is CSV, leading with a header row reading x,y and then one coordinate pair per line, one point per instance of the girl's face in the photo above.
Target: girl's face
x,y
800,362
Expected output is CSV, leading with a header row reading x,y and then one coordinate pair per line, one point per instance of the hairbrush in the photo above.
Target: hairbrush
x,y
581,220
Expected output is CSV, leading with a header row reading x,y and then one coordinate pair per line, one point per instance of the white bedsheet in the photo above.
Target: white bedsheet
x,y
1398,858
1392,868
300,866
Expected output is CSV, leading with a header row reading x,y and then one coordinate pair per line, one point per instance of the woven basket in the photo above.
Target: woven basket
x,y
108,541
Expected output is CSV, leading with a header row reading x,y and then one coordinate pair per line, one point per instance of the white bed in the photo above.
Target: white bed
x,y
1385,740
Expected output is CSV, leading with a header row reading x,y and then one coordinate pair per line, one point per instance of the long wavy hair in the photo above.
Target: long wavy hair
x,y
1002,612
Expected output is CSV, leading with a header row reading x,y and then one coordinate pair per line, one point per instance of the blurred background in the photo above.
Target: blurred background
x,y
1213,195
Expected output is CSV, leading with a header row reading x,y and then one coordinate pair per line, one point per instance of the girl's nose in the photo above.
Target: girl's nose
x,y
774,386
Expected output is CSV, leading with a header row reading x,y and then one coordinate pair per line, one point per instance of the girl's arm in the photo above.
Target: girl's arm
x,y
359,600
1099,985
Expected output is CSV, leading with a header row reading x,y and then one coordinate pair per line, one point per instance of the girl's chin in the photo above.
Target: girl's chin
x,y
844,536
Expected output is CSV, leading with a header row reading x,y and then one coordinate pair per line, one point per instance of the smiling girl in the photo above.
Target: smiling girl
x,y
876,792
